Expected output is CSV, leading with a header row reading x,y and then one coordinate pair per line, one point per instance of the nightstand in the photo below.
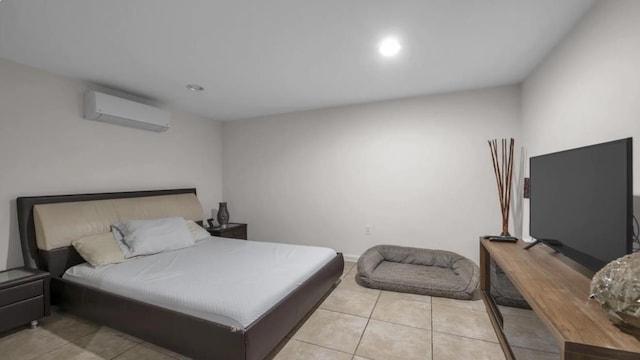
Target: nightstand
x,y
24,297
231,230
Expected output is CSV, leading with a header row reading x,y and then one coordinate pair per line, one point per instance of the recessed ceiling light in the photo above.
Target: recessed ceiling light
x,y
389,47
195,87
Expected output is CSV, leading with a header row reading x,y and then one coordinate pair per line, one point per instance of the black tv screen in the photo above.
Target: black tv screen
x,y
582,199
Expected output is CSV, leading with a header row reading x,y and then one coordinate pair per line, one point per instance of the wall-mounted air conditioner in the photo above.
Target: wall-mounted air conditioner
x,y
119,111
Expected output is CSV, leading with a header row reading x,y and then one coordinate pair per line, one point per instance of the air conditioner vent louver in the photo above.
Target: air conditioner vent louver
x,y
119,111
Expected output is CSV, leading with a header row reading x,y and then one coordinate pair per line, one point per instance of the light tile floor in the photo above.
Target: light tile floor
x,y
351,323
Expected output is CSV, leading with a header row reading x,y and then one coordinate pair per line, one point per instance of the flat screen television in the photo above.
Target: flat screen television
x,y
581,202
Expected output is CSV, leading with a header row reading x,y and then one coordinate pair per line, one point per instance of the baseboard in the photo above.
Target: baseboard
x,y
351,258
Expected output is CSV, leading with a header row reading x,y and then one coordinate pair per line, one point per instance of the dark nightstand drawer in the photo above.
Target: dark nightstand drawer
x,y
21,312
20,292
239,233
233,230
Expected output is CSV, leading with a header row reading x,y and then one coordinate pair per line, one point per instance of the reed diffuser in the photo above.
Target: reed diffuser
x,y
503,168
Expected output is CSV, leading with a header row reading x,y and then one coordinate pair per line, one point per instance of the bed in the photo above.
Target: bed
x,y
46,224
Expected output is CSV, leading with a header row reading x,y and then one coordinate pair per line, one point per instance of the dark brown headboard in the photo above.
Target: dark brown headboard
x,y
59,260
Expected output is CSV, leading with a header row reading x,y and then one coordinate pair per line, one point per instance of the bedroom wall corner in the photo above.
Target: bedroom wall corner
x,y
416,172
46,147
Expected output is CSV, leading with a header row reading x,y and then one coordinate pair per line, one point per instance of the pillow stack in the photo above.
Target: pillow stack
x,y
134,238
148,237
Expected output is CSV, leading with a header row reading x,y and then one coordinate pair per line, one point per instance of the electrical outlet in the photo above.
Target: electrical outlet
x,y
367,229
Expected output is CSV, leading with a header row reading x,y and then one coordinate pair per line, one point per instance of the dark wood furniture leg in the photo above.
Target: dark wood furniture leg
x,y
492,308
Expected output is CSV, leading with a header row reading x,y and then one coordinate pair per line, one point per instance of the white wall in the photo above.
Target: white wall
x,y
588,89
418,171
46,147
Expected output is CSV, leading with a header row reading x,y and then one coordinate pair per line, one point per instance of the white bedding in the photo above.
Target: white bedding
x,y
228,281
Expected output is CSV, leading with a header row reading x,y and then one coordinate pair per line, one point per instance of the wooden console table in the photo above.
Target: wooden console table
x,y
557,289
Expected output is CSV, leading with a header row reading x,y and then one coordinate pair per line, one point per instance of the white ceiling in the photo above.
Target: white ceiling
x,y
259,57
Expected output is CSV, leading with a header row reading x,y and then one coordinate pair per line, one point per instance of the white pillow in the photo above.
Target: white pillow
x,y
146,237
119,237
197,231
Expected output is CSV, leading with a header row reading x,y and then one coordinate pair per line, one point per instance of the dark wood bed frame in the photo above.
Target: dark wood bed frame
x,y
182,333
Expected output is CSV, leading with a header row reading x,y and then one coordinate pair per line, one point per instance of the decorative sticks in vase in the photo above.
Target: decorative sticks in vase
x,y
503,169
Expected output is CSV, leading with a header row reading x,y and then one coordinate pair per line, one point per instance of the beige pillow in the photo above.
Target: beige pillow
x,y
197,231
99,250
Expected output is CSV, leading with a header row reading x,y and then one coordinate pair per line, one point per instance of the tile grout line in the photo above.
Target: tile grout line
x,y
131,348
344,313
492,342
399,324
172,354
67,342
54,349
461,307
384,321
472,338
483,340
322,346
431,308
366,325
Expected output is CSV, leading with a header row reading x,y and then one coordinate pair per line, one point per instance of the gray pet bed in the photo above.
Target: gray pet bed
x,y
418,271
503,291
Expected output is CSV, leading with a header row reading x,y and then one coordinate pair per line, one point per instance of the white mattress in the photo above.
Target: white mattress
x,y
228,281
